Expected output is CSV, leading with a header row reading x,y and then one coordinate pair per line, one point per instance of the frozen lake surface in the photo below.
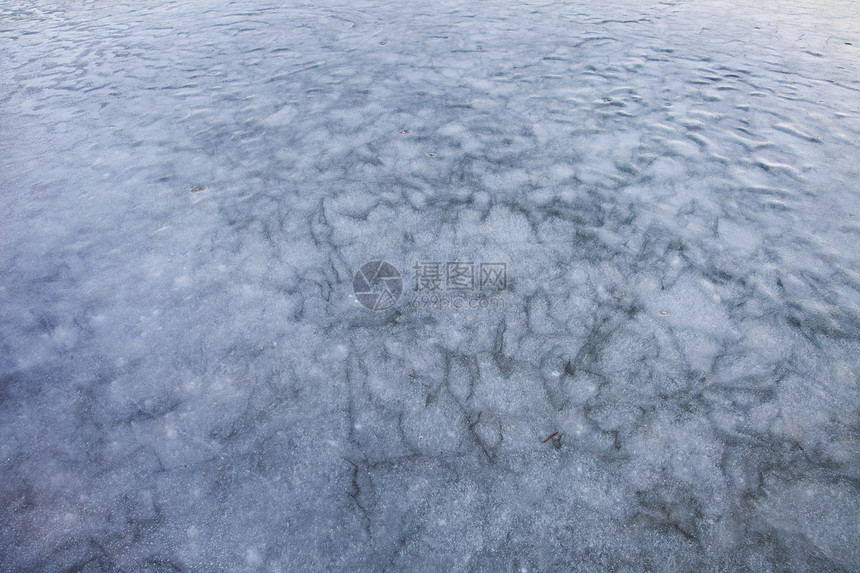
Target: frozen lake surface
x,y
188,381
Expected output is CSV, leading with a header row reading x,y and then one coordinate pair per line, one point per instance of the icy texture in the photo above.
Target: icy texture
x,y
187,383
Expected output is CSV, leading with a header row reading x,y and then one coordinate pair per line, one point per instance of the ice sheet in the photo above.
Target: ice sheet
x,y
189,383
